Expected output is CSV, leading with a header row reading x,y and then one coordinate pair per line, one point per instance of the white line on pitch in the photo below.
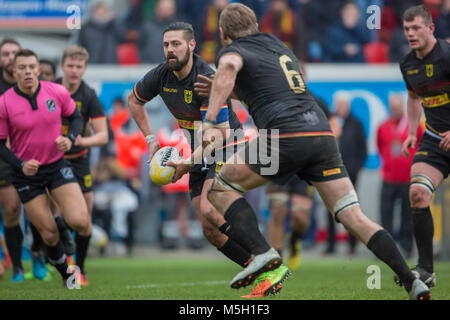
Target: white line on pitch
x,y
178,284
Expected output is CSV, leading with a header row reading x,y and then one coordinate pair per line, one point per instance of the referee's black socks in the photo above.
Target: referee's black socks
x,y
82,245
14,238
423,232
243,227
383,246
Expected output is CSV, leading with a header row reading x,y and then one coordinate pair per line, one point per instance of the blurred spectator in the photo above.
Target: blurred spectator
x,y
443,22
318,21
210,43
281,21
353,148
101,34
133,19
48,70
398,45
151,34
396,172
346,38
400,6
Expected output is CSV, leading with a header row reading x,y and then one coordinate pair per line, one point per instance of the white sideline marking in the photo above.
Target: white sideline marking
x,y
180,284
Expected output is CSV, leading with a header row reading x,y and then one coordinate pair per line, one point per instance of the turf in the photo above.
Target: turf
x,y
203,279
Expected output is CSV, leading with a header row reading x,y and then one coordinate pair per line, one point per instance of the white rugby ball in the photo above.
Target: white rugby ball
x,y
159,172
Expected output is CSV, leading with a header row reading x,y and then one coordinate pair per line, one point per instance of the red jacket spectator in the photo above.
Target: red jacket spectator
x,y
390,136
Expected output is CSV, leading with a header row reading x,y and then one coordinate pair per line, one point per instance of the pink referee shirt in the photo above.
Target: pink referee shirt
x,y
32,133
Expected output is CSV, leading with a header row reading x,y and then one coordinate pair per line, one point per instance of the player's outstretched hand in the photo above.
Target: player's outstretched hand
x,y
410,142
181,168
31,167
64,144
152,148
203,87
445,143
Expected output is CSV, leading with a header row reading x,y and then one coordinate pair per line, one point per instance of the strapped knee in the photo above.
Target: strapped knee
x,y
348,201
228,185
421,180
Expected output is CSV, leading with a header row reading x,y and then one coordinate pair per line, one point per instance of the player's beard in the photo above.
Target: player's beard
x,y
178,64
9,70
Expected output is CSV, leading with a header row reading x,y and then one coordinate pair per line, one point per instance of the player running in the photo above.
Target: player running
x,y
74,64
30,115
426,71
174,82
265,74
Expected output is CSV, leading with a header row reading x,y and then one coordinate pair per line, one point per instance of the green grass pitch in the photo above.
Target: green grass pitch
x,y
208,279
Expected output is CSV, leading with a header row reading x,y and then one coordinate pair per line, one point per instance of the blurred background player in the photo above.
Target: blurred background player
x,y
48,70
426,74
395,169
37,153
74,64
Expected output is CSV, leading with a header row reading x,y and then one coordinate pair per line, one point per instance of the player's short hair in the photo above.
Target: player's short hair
x,y
418,11
7,40
187,29
25,53
75,52
238,20
50,63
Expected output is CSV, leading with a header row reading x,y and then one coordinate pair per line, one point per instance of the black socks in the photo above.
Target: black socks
x,y
14,238
243,227
236,253
384,247
423,232
82,245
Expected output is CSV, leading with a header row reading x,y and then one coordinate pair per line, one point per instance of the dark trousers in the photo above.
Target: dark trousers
x,y
391,192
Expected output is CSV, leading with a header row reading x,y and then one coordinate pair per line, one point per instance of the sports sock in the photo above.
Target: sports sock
x,y
37,239
14,238
82,244
423,232
384,247
236,253
57,258
295,236
244,227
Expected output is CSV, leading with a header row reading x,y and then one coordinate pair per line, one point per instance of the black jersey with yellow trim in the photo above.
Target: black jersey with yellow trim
x,y
4,85
179,96
270,83
429,78
90,108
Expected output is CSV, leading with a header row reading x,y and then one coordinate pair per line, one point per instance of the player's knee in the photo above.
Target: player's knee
x,y
49,235
419,197
80,223
11,213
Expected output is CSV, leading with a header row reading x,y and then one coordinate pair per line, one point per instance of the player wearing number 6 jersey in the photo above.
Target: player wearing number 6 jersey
x,y
265,74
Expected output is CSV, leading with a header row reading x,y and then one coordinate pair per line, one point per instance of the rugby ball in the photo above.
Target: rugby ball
x,y
159,172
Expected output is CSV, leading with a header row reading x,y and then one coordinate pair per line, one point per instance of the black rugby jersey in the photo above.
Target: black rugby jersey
x,y
179,95
4,86
90,107
429,78
270,83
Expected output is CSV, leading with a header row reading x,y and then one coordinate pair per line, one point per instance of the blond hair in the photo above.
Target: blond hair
x,y
75,52
238,20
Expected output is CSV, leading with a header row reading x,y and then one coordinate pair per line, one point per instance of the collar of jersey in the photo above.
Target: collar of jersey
x,y
32,100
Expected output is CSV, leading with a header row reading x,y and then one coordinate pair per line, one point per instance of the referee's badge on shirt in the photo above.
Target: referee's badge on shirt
x,y
67,173
51,105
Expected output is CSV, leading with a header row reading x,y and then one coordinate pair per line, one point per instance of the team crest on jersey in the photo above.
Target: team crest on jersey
x,y
78,104
51,105
67,172
188,96
429,69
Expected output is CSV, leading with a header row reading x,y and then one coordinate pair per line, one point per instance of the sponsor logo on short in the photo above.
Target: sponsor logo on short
x,y
24,189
